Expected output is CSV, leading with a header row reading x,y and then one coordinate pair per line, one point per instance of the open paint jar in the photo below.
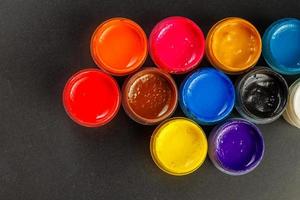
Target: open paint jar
x,y
119,46
176,45
233,45
207,96
261,95
281,46
91,98
178,146
236,147
292,112
149,96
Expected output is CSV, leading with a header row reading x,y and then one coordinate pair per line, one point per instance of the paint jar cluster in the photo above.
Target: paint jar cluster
x,y
207,95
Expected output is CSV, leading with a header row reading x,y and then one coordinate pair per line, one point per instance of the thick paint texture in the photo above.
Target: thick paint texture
x,y
237,147
91,98
119,46
233,45
262,95
207,96
176,44
281,46
150,96
178,146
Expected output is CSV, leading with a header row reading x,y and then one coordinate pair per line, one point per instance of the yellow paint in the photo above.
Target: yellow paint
x,y
178,146
233,45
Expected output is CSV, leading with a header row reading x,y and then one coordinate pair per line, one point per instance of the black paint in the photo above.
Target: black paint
x,y
263,93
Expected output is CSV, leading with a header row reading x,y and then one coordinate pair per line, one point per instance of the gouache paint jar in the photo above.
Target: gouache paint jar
x,y
233,45
149,96
261,95
236,147
91,98
176,45
292,112
119,46
207,96
281,46
178,146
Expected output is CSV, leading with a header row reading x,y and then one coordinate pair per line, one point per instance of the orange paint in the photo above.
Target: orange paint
x,y
119,46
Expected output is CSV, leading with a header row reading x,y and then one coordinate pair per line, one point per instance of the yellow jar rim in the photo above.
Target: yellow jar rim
x,y
160,164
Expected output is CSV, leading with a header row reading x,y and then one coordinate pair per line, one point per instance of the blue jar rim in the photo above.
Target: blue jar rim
x,y
184,105
266,51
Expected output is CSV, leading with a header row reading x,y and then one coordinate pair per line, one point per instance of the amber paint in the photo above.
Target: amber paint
x,y
233,45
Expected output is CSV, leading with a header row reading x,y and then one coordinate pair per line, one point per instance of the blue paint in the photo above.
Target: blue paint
x,y
281,46
207,96
236,147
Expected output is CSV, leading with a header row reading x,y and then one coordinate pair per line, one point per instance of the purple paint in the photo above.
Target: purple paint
x,y
236,147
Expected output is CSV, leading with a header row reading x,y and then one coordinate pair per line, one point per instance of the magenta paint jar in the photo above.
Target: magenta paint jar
x,y
176,44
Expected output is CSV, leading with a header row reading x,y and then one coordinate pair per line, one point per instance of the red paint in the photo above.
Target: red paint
x,y
91,98
176,45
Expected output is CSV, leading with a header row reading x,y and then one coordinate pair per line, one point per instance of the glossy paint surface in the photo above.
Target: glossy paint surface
x,y
119,46
233,45
262,95
91,97
207,96
150,96
178,146
176,45
292,112
236,147
281,46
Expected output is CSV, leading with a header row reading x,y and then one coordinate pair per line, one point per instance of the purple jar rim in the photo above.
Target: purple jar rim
x,y
218,130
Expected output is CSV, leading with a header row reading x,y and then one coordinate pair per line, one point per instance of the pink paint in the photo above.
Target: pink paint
x,y
176,45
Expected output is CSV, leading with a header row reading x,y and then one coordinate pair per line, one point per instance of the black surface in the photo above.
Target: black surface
x,y
44,155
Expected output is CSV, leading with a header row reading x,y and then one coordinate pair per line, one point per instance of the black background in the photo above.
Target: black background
x,y
44,155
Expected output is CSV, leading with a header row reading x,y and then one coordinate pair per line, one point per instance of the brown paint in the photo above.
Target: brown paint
x,y
150,96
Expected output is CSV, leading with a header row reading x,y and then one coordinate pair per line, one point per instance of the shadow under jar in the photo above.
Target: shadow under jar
x,y
261,95
150,96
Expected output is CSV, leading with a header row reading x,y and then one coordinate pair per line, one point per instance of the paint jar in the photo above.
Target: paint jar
x,y
119,46
178,146
281,46
236,147
261,95
292,112
91,98
207,96
176,45
149,96
233,45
